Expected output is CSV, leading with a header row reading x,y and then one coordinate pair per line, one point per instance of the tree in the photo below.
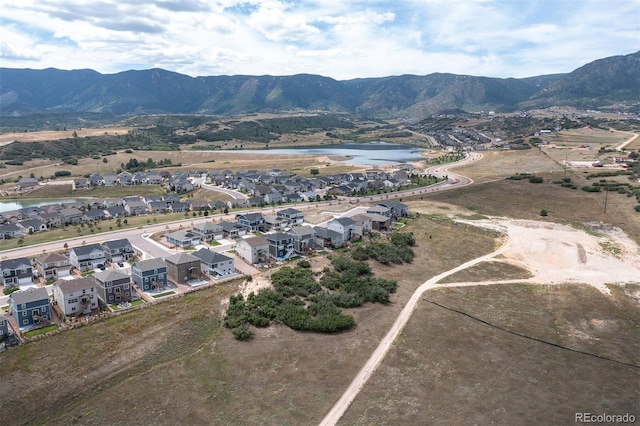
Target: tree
x,y
314,172
543,213
105,160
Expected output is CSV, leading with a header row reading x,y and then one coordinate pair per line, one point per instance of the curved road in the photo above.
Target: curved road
x,y
380,352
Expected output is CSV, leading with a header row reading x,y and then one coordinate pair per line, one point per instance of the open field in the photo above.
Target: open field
x,y
52,135
198,372
583,144
521,199
447,368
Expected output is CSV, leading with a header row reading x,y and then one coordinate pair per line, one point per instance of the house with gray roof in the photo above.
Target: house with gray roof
x,y
293,216
328,238
10,230
344,225
182,239
280,245
214,264
86,257
208,231
114,286
118,250
304,238
30,307
4,327
150,274
16,272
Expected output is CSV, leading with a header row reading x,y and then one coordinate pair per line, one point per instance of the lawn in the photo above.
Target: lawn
x,y
39,331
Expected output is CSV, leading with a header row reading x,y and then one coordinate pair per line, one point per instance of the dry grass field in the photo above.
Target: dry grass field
x,y
52,135
448,368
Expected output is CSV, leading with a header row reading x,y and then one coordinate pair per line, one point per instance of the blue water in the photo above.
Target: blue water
x,y
6,206
374,153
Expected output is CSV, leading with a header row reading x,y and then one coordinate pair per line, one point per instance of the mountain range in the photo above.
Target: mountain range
x,y
26,91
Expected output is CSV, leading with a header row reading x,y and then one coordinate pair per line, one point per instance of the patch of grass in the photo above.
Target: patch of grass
x,y
166,293
39,331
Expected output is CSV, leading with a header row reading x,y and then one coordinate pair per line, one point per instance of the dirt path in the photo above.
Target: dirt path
x,y
633,137
553,253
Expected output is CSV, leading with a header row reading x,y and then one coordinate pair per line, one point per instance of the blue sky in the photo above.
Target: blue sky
x,y
341,39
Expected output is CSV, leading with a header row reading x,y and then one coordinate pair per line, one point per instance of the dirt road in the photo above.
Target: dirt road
x,y
553,253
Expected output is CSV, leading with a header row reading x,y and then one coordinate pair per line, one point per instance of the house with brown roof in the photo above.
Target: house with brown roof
x,y
183,267
53,265
76,297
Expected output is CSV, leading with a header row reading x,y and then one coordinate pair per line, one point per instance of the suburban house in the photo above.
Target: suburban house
x,y
53,265
52,219
118,250
115,212
27,183
30,307
328,238
380,210
275,222
363,224
114,286
253,249
253,221
304,238
344,225
233,230
72,215
293,216
76,297
183,267
398,210
16,272
380,222
87,257
149,274
31,226
10,230
4,327
182,239
280,245
208,231
214,264
136,207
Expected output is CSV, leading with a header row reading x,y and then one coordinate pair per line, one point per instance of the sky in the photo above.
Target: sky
x,y
341,39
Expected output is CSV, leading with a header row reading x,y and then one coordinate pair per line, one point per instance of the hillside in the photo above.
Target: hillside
x,y
27,91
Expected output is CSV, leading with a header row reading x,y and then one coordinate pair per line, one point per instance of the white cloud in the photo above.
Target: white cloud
x,y
336,38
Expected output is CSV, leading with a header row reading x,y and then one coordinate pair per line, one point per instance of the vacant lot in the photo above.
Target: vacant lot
x,y
448,368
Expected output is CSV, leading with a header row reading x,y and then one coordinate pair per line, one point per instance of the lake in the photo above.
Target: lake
x,y
374,153
6,206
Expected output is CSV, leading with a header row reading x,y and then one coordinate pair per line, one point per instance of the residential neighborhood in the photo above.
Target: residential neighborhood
x,y
64,286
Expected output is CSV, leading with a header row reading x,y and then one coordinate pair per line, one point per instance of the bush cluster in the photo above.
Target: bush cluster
x,y
398,250
303,303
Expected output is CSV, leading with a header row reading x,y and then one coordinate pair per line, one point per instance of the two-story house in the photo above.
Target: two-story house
x,y
118,250
253,221
280,245
183,267
150,274
87,257
16,272
208,231
328,238
253,249
114,286
4,327
53,265
304,238
76,297
214,264
293,216
30,307
343,225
